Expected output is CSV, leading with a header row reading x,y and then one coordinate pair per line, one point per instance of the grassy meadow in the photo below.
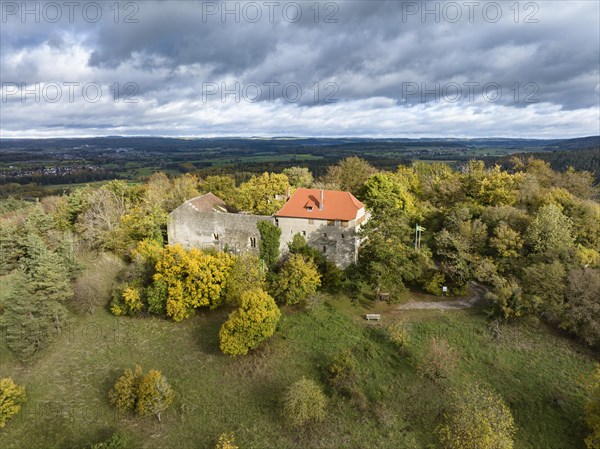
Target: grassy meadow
x,y
536,372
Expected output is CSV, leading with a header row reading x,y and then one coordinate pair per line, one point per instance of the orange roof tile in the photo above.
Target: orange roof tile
x,y
336,205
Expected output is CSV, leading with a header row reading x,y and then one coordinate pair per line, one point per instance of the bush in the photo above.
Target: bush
x,y
299,279
479,419
148,394
343,377
439,361
116,441
226,441
251,324
11,398
304,402
398,333
435,283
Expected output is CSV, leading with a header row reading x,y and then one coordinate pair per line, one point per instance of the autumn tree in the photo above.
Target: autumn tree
x,y
154,395
222,186
592,409
147,394
259,194
385,191
299,176
550,234
253,322
479,419
192,278
349,174
297,280
11,398
304,402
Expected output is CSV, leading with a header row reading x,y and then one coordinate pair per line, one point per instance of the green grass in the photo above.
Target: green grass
x,y
535,371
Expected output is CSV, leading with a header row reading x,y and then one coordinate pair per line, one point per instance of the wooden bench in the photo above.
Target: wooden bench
x,y
373,316
384,296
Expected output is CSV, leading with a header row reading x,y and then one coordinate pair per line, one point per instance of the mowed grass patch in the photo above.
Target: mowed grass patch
x,y
535,371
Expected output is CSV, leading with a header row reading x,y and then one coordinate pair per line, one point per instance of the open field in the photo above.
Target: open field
x,y
536,372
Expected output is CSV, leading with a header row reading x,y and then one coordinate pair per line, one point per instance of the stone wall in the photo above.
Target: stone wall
x,y
210,229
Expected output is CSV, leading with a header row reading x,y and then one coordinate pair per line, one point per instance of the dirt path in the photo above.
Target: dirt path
x,y
477,297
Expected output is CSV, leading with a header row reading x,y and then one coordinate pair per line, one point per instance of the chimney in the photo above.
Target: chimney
x,y
287,193
321,200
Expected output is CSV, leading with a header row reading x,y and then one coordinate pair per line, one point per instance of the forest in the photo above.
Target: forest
x,y
524,233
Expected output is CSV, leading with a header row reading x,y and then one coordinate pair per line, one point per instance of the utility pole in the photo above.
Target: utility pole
x,y
418,232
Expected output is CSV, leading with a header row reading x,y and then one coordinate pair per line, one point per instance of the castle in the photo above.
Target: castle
x,y
329,220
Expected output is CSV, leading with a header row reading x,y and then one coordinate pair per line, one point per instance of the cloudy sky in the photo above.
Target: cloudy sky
x,y
278,68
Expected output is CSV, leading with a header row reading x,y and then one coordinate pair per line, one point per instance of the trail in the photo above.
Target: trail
x,y
476,298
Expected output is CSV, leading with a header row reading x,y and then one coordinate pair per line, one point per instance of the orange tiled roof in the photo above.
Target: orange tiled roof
x,y
336,205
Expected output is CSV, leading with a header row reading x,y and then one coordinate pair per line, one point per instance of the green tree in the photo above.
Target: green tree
x,y
259,194
269,242
304,402
592,409
479,419
252,323
155,394
299,176
298,279
385,191
550,234
11,398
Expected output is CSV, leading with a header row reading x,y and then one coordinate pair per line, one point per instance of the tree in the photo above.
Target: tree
x,y
592,409
304,402
246,274
299,176
252,323
148,394
383,191
11,398
581,315
506,241
226,441
268,246
193,279
31,321
155,394
479,419
222,186
124,394
258,195
298,279
550,233
349,174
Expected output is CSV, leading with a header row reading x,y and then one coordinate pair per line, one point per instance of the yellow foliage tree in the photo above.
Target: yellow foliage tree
x,y
479,420
155,394
124,393
258,195
251,324
193,278
11,398
299,278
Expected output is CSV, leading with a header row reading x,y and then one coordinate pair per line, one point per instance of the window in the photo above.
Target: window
x,y
216,236
252,242
304,233
324,249
343,236
325,234
311,221
330,222
309,208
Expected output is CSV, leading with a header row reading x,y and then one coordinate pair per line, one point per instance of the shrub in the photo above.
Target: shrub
x,y
11,398
299,278
479,419
398,333
252,323
343,377
148,394
116,441
439,361
304,402
226,441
